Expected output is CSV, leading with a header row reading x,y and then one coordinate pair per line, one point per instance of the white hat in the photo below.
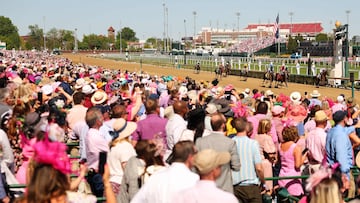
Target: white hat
x,y
315,93
211,108
80,83
47,89
123,128
340,99
268,93
87,89
247,91
295,97
98,97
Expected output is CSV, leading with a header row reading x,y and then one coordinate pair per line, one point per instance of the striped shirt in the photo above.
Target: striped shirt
x,y
249,153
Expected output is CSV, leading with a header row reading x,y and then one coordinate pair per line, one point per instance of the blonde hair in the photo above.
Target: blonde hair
x,y
325,105
326,191
264,126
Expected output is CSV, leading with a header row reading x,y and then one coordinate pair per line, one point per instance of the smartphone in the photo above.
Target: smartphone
x,y
102,161
304,151
39,97
305,93
82,161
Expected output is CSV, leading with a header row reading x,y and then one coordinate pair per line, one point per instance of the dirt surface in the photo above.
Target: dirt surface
x,y
206,76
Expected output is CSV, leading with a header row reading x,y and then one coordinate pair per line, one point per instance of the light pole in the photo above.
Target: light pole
x,y
75,41
44,34
238,20
291,25
120,39
164,34
194,13
167,30
347,16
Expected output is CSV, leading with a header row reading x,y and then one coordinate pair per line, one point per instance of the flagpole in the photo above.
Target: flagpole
x,y
278,42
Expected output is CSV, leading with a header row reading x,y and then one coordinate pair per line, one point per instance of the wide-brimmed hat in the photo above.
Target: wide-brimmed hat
x,y
315,93
357,160
80,83
222,105
208,159
295,97
268,93
122,128
211,108
320,116
276,110
47,89
297,112
87,89
98,97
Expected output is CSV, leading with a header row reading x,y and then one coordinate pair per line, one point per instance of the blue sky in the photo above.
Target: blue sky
x,y
146,17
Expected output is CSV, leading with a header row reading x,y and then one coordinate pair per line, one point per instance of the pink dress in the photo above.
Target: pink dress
x,y
266,146
288,169
27,153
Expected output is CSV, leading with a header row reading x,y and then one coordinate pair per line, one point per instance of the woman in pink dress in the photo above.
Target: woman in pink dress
x,y
267,150
291,161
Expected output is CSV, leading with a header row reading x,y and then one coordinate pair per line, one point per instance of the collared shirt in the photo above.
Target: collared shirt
x,y
76,113
315,142
255,121
162,186
95,143
339,148
203,192
311,125
153,126
174,128
249,153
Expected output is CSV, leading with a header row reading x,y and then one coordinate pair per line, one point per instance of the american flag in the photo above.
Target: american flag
x,y
276,27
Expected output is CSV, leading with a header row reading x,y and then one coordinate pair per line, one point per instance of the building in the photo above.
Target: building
x,y
111,33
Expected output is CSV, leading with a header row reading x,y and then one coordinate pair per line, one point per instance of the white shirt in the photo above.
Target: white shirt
x,y
174,128
164,185
7,154
120,153
204,191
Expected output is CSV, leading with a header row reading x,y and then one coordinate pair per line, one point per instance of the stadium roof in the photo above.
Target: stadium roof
x,y
296,27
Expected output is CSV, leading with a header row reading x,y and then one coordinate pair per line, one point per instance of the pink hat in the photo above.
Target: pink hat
x,y
297,113
276,110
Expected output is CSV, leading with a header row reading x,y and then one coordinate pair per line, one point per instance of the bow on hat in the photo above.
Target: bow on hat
x,y
115,133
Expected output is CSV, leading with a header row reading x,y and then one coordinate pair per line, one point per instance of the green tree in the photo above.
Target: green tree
x,y
36,38
67,39
292,45
9,33
95,42
321,37
128,35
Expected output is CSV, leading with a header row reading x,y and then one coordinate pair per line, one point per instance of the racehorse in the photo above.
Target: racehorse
x,y
243,75
281,78
226,69
268,77
197,68
321,78
219,71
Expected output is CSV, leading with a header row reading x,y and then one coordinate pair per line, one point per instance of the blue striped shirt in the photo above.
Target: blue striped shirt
x,y
249,153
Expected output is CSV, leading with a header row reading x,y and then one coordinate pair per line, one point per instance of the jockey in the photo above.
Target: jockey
x,y
283,69
271,68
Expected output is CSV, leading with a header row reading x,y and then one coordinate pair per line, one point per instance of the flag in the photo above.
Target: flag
x,y
276,27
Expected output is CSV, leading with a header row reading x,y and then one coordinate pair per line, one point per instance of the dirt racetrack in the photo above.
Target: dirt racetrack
x,y
206,76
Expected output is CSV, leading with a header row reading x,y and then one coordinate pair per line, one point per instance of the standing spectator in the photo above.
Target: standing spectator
x,y
298,68
162,186
176,125
278,113
267,150
196,125
95,143
152,127
246,181
219,142
78,111
291,160
208,164
120,151
313,69
315,142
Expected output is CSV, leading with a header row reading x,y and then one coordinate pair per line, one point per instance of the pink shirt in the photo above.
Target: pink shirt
x,y
76,113
95,143
315,142
311,125
255,121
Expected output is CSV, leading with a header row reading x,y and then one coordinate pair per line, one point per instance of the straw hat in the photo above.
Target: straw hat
x,y
208,159
315,93
295,97
98,97
320,116
123,128
79,83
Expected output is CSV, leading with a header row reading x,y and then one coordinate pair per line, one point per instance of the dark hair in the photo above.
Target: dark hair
x,y
239,124
182,150
262,108
196,121
151,105
78,97
147,151
290,134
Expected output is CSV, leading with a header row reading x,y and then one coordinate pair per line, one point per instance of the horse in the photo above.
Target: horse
x,y
281,78
268,77
219,71
226,69
197,68
243,75
321,78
